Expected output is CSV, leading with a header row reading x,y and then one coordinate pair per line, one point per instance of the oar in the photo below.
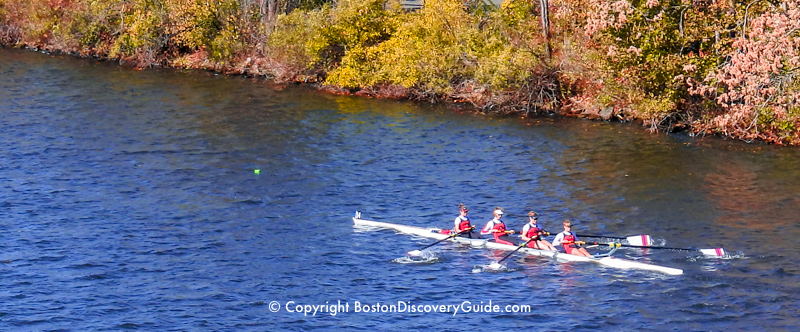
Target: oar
x,y
496,265
636,240
710,252
418,252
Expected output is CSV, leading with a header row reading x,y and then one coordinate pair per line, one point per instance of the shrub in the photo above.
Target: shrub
x,y
210,25
141,26
288,43
443,46
351,26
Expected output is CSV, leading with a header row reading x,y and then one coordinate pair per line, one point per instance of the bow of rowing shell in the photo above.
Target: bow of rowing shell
x,y
434,233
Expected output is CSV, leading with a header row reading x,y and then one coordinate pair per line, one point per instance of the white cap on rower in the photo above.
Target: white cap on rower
x,y
498,211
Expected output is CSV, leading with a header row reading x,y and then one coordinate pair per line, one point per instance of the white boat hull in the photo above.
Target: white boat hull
x,y
435,234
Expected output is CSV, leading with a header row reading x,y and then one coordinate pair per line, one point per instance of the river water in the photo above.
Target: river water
x,y
129,201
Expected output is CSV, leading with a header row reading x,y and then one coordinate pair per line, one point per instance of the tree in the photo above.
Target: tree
x,y
757,86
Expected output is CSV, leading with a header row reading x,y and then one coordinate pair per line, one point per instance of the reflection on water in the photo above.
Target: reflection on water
x,y
750,196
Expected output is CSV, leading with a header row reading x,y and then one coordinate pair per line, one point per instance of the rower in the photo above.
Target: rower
x,y
497,229
534,235
462,224
570,241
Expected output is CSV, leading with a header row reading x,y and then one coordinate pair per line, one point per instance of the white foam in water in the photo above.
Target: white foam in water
x,y
424,257
727,255
492,267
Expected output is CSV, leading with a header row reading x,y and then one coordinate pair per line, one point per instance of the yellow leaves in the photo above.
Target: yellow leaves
x,y
295,34
206,24
142,26
431,49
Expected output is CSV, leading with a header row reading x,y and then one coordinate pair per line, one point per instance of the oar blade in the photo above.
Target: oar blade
x,y
495,266
414,253
640,240
719,252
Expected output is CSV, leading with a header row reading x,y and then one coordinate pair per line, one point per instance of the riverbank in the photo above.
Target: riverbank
x,y
571,58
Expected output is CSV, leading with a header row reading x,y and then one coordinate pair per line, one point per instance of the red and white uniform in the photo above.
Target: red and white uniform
x,y
497,229
566,239
493,224
532,231
461,223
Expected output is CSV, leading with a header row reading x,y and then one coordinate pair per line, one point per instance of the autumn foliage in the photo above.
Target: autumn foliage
x,y
757,85
712,66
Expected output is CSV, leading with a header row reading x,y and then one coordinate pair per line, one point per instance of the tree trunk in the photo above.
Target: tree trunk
x,y
268,9
544,7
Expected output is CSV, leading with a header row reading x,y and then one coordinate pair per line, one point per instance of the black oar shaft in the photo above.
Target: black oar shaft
x,y
435,243
603,236
515,250
645,247
445,239
672,248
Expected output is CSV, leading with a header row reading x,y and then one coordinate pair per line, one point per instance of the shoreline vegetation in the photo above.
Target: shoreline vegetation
x,y
710,67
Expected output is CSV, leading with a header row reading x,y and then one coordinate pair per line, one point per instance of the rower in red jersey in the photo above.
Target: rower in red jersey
x,y
497,229
570,241
462,224
534,235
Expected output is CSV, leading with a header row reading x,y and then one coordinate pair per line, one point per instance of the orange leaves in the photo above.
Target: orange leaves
x,y
762,60
759,83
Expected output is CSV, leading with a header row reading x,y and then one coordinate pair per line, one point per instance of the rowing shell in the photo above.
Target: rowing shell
x,y
435,234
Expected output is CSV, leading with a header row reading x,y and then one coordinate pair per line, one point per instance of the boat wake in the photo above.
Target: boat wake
x,y
728,255
658,242
492,268
425,257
